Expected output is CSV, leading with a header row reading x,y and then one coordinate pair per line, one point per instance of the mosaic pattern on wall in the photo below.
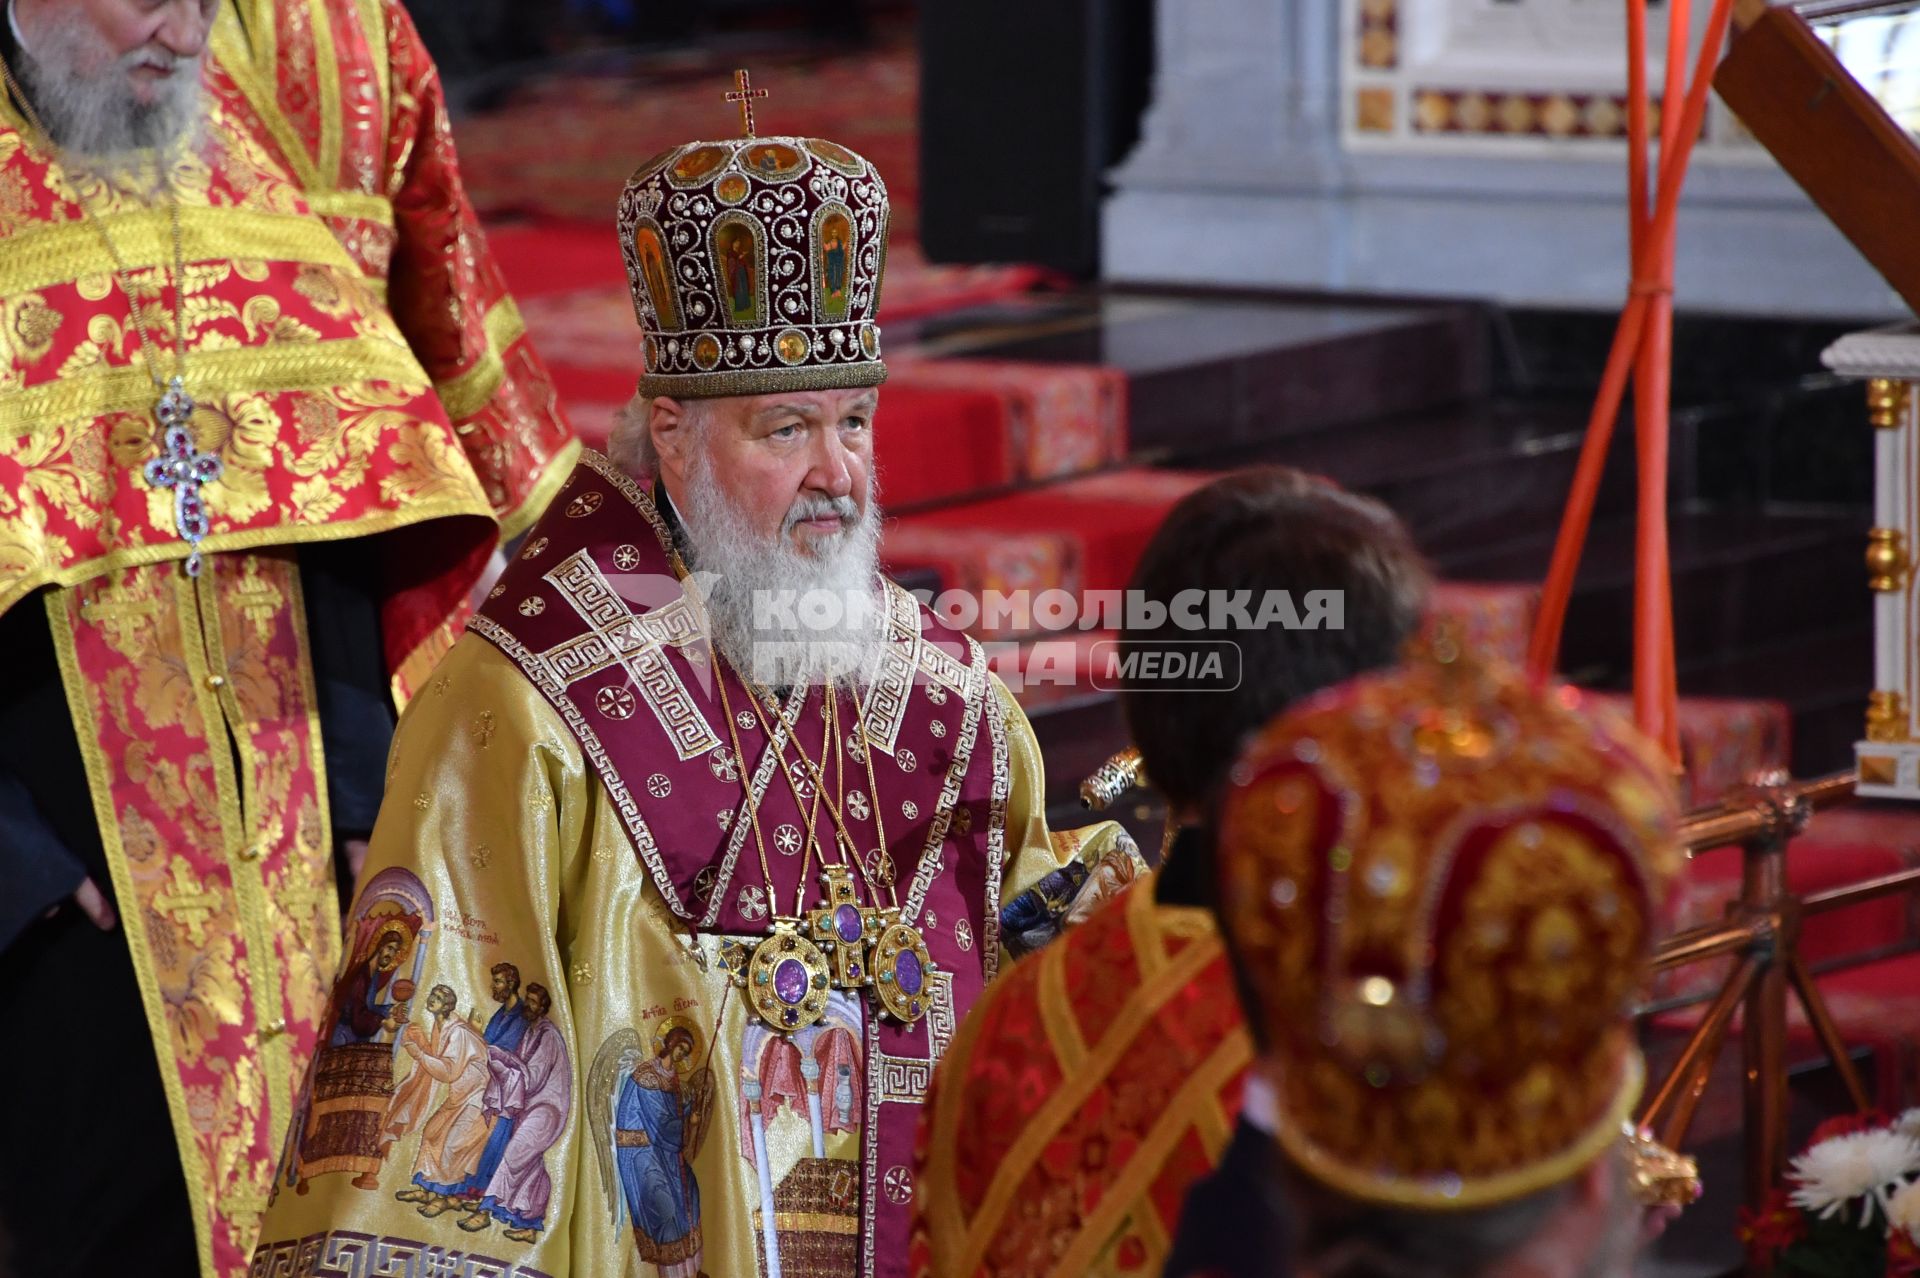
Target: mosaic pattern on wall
x,y
1390,99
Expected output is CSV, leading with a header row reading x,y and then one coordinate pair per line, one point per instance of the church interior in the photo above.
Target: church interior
x,y
1137,244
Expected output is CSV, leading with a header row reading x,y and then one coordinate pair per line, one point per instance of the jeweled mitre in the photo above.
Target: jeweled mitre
x,y
755,265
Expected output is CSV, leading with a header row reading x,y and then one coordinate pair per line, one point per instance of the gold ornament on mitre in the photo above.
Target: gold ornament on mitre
x,y
755,264
1442,883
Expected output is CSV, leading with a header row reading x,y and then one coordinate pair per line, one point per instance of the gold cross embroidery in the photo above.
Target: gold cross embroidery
x,y
258,600
186,904
242,1201
295,897
117,612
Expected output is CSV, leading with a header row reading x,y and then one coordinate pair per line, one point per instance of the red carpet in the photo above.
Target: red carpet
x,y
564,145
950,428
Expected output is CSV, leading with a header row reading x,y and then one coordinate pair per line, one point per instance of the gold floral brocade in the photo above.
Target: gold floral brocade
x,y
333,281
321,314
193,704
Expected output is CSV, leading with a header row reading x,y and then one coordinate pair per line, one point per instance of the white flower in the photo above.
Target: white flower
x,y
1863,1165
1903,1210
1908,1123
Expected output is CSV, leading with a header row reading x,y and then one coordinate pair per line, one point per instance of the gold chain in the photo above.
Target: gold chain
x,y
827,715
850,850
119,264
753,804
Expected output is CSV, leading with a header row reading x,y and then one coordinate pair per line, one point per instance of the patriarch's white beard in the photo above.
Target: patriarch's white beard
x,y
784,617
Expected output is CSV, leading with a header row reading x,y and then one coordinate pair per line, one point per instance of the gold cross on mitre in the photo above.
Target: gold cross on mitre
x,y
743,95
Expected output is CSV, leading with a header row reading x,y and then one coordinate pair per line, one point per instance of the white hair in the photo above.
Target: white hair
x,y
81,91
630,445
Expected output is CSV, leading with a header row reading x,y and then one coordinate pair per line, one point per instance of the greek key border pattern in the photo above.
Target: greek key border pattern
x,y
996,829
623,801
931,856
635,642
342,1253
629,488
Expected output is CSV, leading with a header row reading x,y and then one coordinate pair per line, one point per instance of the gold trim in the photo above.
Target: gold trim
x,y
245,539
1887,400
812,1222
360,204
139,944
405,683
465,394
534,504
1198,1096
1886,560
1478,1191
373,22
1879,769
326,74
1886,717
764,381
228,44
64,252
1045,1124
234,786
275,367
1068,1044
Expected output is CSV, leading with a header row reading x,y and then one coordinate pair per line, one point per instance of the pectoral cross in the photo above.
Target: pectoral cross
x,y
182,469
845,929
743,96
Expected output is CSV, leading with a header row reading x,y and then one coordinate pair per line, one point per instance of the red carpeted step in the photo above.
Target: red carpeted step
x,y
1712,880
1079,536
948,429
1724,741
953,427
563,143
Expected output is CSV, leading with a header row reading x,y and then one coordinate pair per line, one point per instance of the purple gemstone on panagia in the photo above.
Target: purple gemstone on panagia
x,y
847,920
906,972
790,981
853,970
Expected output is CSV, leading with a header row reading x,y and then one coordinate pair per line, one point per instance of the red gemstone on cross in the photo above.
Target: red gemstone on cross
x,y
743,95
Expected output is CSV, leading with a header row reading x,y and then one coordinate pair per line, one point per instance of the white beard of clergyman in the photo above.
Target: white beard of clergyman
x,y
782,616
85,97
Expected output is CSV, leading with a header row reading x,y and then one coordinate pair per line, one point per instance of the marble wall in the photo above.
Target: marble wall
x,y
1470,148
